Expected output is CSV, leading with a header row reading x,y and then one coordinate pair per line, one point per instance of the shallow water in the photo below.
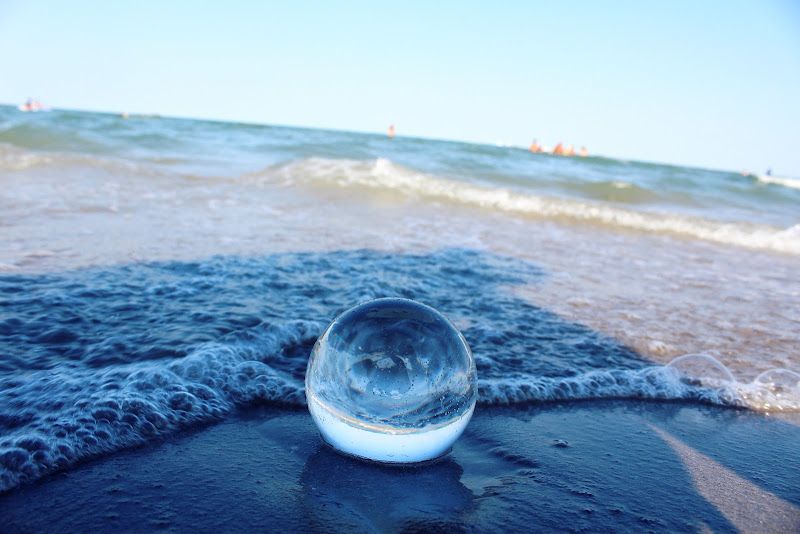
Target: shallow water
x,y
159,273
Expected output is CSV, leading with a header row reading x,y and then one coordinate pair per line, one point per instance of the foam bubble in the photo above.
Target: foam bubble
x,y
776,389
779,381
701,370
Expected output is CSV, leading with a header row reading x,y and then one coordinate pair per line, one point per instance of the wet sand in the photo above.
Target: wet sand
x,y
623,466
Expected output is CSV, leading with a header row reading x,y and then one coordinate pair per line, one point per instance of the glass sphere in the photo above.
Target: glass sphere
x,y
391,380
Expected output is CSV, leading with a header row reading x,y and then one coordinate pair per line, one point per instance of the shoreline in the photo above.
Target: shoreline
x,y
618,465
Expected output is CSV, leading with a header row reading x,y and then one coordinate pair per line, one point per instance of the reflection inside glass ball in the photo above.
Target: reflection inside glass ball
x,y
391,380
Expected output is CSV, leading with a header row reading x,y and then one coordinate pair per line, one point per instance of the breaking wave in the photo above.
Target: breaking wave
x,y
382,176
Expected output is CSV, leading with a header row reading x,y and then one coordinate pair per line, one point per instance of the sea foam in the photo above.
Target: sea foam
x,y
692,377
53,419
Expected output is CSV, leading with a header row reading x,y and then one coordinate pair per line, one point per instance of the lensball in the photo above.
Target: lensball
x,y
391,380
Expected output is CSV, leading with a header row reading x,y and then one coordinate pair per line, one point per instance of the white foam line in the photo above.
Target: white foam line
x,y
383,174
793,183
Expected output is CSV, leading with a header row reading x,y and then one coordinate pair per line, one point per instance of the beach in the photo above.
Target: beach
x,y
622,466
164,280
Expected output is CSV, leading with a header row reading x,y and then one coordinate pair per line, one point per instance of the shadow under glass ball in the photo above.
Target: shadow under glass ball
x,y
391,380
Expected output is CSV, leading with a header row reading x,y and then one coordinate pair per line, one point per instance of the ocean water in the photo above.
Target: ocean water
x,y
157,274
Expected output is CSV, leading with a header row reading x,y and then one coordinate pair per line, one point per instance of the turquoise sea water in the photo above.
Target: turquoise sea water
x,y
159,273
761,211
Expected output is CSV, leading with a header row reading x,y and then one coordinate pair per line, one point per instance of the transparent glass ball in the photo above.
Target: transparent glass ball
x,y
391,380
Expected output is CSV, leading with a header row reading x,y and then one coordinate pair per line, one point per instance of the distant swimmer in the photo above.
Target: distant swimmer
x,y
535,147
583,152
391,131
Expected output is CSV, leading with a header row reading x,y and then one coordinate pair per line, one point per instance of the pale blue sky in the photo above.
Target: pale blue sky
x,y
707,83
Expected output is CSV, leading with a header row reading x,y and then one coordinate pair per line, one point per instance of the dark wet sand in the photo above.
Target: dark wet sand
x,y
622,466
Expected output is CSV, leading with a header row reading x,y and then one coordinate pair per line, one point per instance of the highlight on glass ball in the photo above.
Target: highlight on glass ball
x,y
391,380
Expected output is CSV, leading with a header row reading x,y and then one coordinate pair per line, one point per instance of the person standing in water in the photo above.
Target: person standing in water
x,y
391,131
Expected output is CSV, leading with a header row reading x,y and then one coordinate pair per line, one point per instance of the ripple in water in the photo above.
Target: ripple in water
x,y
391,380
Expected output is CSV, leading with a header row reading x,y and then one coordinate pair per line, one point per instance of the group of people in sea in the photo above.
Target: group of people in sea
x,y
32,105
559,150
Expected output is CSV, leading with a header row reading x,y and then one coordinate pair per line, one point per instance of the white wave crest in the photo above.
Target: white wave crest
x,y
14,159
793,183
382,175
